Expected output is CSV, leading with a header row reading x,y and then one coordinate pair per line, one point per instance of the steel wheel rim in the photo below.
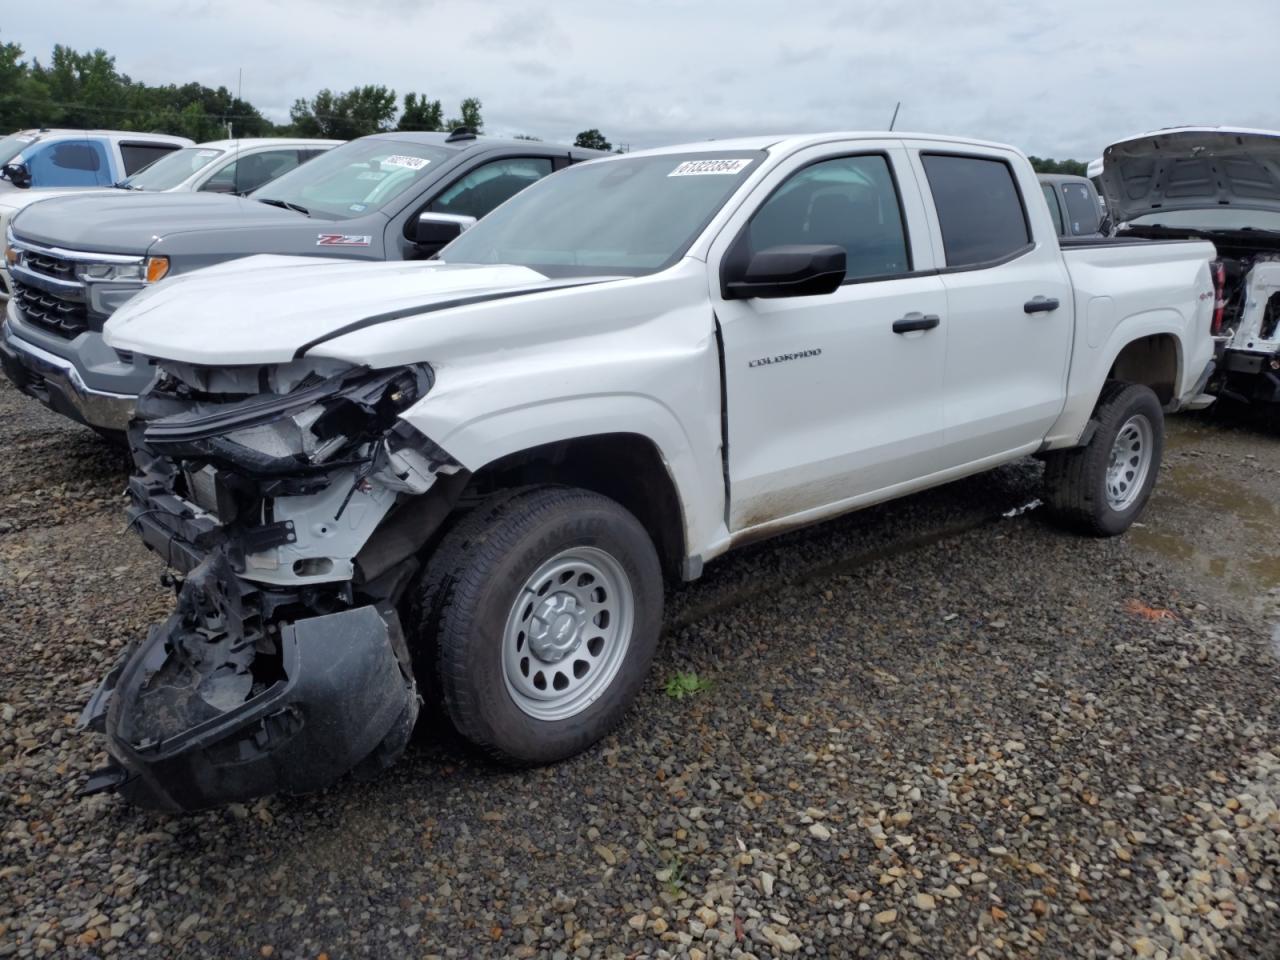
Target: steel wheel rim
x,y
567,633
1129,462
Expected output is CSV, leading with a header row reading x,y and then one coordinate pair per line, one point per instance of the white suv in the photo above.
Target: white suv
x,y
227,166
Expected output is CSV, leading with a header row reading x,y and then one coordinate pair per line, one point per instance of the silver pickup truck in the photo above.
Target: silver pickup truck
x,y
74,260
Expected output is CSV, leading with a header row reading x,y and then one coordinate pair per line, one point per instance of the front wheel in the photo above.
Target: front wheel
x,y
1101,487
539,615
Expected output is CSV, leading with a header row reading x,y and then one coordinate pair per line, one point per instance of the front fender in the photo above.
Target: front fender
x,y
475,434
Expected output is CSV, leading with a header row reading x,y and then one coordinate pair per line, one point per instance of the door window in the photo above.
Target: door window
x,y
485,187
1082,209
979,208
851,202
71,163
248,173
139,155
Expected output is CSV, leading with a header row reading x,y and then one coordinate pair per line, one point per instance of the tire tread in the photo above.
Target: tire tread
x,y
1074,479
455,580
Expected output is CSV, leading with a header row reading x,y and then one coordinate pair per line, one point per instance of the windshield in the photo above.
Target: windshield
x,y
1216,218
171,169
628,216
355,178
12,145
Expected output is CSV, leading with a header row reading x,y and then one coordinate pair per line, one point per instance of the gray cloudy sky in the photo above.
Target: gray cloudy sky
x,y
1057,79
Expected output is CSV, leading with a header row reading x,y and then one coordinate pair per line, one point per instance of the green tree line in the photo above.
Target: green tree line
x,y
1074,167
83,90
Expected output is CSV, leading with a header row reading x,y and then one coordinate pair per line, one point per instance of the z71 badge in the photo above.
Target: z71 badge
x,y
343,240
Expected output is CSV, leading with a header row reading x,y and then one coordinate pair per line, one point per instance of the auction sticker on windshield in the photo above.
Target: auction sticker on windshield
x,y
411,163
701,168
343,240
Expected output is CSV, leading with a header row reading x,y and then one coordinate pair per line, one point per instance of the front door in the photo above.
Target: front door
x,y
825,401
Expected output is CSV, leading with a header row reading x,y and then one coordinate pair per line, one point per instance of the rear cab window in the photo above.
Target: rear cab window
x,y
980,209
137,156
1082,209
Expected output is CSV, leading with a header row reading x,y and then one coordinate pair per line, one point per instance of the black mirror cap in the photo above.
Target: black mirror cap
x,y
437,229
18,174
794,270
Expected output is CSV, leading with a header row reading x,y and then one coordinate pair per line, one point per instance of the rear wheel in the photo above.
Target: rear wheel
x,y
539,615
1101,487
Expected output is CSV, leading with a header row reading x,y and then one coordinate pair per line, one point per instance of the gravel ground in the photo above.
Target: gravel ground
x,y
930,731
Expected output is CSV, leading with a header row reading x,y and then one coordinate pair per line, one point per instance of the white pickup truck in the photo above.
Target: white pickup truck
x,y
467,479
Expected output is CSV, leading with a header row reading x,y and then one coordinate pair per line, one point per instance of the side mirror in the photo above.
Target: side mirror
x,y
796,270
438,229
18,174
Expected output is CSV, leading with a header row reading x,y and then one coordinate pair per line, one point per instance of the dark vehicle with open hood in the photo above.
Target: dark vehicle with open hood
x,y
1220,184
73,261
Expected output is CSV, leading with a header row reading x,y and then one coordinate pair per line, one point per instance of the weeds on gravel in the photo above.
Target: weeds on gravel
x,y
686,685
671,876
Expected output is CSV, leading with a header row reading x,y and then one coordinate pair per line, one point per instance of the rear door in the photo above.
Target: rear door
x,y
1008,301
825,403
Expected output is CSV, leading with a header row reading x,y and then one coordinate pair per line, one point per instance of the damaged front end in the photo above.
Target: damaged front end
x,y
290,501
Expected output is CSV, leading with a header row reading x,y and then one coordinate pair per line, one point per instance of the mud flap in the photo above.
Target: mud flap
x,y
187,733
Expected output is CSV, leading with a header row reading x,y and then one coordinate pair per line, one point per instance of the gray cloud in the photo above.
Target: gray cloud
x,y
1055,80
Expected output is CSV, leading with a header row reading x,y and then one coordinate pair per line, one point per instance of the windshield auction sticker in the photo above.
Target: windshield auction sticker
x,y
409,163
702,168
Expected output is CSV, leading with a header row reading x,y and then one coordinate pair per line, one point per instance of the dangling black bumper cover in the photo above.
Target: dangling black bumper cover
x,y
346,702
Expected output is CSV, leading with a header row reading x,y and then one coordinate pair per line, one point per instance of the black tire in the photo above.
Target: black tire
x,y
469,588
1075,481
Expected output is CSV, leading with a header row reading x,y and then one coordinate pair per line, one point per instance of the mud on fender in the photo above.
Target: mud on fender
x,y
343,700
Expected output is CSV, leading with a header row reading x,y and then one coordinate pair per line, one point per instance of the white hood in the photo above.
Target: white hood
x,y
263,309
1192,168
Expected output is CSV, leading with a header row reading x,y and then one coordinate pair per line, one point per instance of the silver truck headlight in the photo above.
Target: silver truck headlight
x,y
149,270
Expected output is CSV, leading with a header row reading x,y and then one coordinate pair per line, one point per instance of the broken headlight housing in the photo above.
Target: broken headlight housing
x,y
322,422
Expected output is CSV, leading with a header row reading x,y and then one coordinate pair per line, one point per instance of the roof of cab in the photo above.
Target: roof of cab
x,y
439,138
245,143
43,132
796,141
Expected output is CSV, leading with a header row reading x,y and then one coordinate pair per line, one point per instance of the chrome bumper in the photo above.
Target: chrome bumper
x,y
57,384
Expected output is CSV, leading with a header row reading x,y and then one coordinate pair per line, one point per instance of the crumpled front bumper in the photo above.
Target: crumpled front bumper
x,y
336,696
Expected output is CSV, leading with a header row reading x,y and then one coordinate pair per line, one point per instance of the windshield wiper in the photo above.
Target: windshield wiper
x,y
284,205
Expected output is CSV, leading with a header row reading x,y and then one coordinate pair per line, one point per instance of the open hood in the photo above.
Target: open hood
x,y
263,309
1192,168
